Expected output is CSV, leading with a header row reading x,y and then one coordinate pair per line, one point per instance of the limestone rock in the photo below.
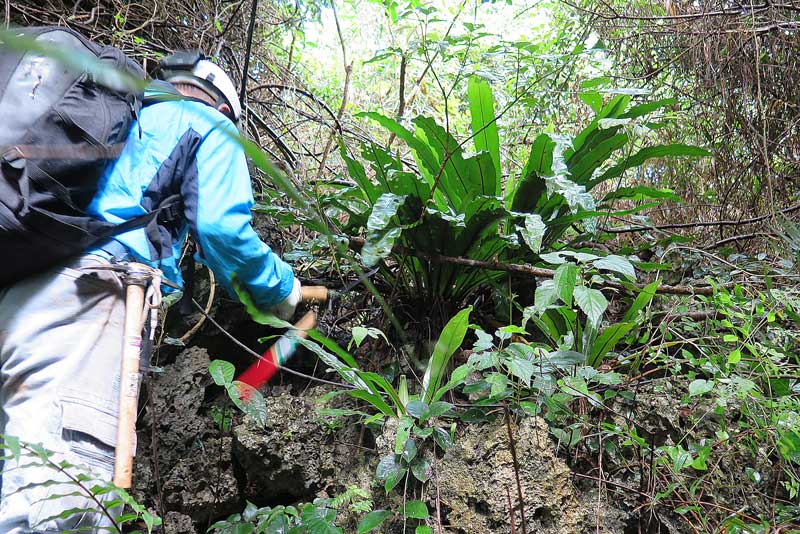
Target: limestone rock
x,y
203,484
476,477
293,458
178,523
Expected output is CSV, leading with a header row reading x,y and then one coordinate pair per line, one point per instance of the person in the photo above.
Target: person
x,y
61,330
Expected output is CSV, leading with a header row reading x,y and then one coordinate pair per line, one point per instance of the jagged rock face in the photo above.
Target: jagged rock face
x,y
191,459
292,458
177,404
206,474
203,485
178,523
477,479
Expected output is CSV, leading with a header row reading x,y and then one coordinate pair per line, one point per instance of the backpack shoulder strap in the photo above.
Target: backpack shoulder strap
x,y
161,91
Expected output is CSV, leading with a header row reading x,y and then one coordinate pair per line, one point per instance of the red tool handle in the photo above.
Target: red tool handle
x,y
265,368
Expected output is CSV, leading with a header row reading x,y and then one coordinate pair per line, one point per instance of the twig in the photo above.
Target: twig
x,y
357,243
418,83
677,226
741,237
513,519
78,481
249,46
611,483
348,69
212,283
513,448
438,495
401,107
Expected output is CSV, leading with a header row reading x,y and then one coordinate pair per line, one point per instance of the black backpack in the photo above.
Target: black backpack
x,y
60,128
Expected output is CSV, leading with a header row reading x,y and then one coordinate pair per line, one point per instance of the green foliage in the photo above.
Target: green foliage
x,y
318,517
70,480
374,389
244,396
454,204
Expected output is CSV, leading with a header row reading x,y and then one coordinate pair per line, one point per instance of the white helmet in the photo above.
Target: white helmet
x,y
191,67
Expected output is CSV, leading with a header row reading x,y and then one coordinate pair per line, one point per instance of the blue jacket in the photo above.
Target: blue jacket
x,y
186,148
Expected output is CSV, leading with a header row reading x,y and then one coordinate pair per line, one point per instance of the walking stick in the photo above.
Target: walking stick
x,y
137,277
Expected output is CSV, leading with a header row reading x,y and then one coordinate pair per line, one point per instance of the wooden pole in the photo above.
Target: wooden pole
x,y
311,293
136,282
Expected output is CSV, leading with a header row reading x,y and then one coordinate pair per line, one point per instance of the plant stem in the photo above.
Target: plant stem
x,y
513,448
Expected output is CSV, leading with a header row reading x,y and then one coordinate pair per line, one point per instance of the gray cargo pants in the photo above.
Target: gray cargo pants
x,y
60,350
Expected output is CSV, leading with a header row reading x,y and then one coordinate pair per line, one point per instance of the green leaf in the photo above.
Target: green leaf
x,y
374,399
566,358
457,377
250,401
700,387
319,519
522,369
394,480
356,171
699,462
427,162
659,151
640,193
377,381
409,450
11,443
607,341
382,231
417,408
416,510
617,264
421,469
403,434
456,180
545,295
222,372
436,409
564,280
442,438
642,301
345,371
360,333
592,302
531,187
386,467
533,232
450,340
648,107
789,446
583,164
373,520
423,529
484,124
389,471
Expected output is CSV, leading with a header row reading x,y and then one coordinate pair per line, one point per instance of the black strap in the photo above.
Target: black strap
x,y
185,305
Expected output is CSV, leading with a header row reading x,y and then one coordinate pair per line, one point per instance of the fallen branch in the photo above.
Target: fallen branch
x,y
742,237
356,243
698,224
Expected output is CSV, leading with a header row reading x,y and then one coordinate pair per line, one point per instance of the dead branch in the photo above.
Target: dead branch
x,y
356,243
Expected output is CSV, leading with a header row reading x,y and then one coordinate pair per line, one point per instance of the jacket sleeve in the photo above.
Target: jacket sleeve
x,y
217,199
